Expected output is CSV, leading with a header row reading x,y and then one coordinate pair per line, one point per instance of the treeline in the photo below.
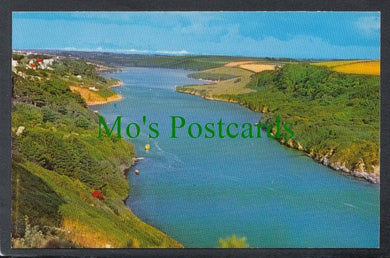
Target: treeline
x,y
335,116
76,67
190,62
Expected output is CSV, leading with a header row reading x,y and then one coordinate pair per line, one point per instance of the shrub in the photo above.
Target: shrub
x,y
233,242
48,114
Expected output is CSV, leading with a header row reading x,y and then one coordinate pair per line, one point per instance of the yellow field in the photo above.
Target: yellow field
x,y
258,67
371,67
337,63
251,66
92,98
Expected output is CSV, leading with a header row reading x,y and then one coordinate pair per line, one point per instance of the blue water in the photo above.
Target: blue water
x,y
200,190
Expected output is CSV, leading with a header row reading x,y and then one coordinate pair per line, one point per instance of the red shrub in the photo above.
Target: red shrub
x,y
98,194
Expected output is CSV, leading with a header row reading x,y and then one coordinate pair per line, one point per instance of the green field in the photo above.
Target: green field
x,y
227,80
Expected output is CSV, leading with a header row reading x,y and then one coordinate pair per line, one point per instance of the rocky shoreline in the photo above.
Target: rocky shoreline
x,y
126,169
370,177
118,84
206,97
338,165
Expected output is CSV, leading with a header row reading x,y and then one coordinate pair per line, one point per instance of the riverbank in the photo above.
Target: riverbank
x,y
58,163
195,93
337,166
354,164
107,100
92,98
126,169
118,84
271,185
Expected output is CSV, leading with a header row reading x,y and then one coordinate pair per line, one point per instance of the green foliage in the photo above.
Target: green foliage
x,y
83,122
73,155
333,114
48,114
183,62
32,197
211,76
41,56
24,114
33,237
109,219
105,93
233,242
75,67
196,63
229,80
17,57
58,161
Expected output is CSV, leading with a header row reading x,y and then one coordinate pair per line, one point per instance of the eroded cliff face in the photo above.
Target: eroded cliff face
x,y
357,169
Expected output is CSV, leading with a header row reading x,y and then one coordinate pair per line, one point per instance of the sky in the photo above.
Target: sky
x,y
316,35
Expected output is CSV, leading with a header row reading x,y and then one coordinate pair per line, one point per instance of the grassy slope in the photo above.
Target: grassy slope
x,y
95,223
58,161
232,78
228,80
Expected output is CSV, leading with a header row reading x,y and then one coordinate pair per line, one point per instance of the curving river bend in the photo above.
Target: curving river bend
x,y
199,190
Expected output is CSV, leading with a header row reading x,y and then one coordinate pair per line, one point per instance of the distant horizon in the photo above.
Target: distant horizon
x,y
151,54
295,35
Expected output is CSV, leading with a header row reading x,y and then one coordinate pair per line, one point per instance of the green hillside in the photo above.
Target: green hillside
x,y
58,162
335,116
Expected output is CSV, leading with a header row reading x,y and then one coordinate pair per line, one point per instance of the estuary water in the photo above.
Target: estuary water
x,y
200,190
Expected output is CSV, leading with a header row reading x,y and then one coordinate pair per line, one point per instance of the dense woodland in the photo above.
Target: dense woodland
x,y
334,115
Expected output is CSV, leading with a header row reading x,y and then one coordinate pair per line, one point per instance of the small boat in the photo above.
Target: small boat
x,y
137,172
147,146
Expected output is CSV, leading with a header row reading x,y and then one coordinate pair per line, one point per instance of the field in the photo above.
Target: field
x,y
232,78
368,67
252,66
226,80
